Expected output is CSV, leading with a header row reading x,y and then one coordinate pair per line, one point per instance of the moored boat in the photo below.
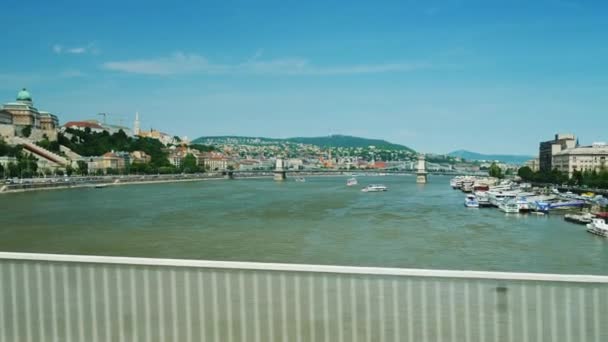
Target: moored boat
x,y
598,227
483,199
470,201
585,218
509,207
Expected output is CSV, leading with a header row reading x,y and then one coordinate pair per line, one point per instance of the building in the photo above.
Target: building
x,y
549,148
140,157
6,118
82,125
164,138
4,161
109,160
212,161
23,114
533,164
584,158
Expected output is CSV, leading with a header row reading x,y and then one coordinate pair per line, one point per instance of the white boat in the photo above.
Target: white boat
x,y
498,197
300,179
100,186
374,188
483,198
352,181
470,201
509,207
598,227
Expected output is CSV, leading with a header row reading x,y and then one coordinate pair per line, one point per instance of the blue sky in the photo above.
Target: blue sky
x,y
488,76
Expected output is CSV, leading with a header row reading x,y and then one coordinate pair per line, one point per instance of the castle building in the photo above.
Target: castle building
x,y
16,116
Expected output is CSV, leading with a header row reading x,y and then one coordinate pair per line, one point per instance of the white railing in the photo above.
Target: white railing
x,y
45,297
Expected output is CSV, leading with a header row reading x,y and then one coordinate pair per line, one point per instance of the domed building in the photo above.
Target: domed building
x,y
24,114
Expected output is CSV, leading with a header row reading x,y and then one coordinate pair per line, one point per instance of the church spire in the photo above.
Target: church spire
x,y
136,124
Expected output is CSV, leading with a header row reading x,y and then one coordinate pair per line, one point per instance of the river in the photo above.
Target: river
x,y
320,221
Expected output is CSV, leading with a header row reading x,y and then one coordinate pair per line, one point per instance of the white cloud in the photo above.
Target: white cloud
x,y
180,63
91,48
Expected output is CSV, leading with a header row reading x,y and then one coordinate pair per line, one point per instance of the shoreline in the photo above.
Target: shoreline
x,y
105,184
5,189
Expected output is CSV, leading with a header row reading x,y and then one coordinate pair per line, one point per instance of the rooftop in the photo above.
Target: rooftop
x,y
585,150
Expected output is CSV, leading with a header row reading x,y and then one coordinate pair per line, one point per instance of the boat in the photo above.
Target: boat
x,y
300,179
585,218
374,188
567,204
509,207
483,199
496,198
100,186
470,201
598,227
467,186
352,181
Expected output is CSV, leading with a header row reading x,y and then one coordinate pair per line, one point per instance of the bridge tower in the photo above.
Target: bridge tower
x,y
421,174
279,171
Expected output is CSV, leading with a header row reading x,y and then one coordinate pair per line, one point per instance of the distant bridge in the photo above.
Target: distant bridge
x,y
319,172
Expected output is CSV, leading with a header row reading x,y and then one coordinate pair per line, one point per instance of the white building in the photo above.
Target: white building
x,y
584,158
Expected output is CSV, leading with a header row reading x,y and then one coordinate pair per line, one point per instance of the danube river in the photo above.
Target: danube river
x,y
320,221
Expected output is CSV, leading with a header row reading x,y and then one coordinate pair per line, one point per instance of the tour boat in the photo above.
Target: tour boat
x,y
352,182
470,201
467,186
585,218
509,207
483,199
598,227
523,204
374,188
497,198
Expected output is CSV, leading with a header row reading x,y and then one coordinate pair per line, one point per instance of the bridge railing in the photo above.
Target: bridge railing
x,y
91,298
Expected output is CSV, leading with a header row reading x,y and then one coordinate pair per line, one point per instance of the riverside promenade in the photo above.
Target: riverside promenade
x,y
56,183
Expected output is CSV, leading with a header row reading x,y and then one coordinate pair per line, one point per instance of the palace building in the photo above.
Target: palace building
x,y
15,116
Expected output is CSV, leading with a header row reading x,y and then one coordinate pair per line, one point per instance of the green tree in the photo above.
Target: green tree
x,y
27,131
189,164
495,171
83,167
525,173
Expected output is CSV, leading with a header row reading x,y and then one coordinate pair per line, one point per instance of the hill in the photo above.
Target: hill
x,y
348,141
328,141
505,158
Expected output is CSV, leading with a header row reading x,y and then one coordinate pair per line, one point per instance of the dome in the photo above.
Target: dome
x,y
24,95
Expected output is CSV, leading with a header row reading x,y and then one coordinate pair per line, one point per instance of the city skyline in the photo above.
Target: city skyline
x,y
437,77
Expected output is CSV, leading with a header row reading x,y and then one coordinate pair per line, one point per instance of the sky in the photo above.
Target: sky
x,y
487,76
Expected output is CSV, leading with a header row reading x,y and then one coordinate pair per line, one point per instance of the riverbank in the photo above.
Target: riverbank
x,y
91,182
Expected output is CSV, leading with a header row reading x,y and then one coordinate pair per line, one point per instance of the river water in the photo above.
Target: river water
x,y
320,221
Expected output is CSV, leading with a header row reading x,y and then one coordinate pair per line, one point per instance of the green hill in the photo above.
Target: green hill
x,y
328,141
505,158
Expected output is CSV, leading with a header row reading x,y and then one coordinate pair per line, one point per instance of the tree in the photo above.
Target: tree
x,y
26,131
525,173
495,171
189,164
83,167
